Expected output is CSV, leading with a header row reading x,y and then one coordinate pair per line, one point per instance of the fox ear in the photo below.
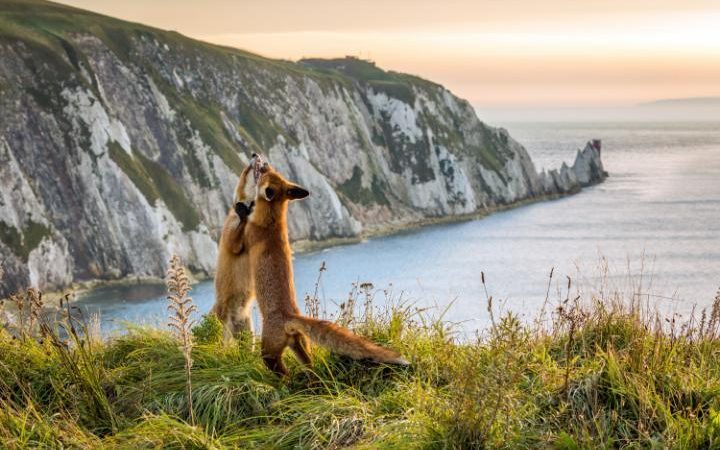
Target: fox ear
x,y
269,193
295,192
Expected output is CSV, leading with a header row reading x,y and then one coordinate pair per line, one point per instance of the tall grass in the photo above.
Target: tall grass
x,y
181,309
600,372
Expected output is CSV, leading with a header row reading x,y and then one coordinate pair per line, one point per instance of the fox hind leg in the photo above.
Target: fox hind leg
x,y
242,318
300,345
272,351
235,312
276,365
221,309
242,324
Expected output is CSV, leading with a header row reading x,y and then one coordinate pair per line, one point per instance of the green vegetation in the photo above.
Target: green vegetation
x,y
399,90
46,29
405,153
205,118
492,151
195,168
22,242
43,27
595,374
494,148
355,191
134,170
262,130
154,182
392,84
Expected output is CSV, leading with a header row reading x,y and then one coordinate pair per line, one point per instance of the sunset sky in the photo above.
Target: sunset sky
x,y
497,54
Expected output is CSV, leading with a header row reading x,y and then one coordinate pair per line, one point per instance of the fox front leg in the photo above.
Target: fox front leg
x,y
234,231
243,210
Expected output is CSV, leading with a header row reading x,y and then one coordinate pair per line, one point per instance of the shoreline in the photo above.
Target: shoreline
x,y
77,289
390,229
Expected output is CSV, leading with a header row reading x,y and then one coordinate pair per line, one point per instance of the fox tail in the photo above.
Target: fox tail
x,y
343,341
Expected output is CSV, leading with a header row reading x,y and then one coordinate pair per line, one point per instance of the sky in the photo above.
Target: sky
x,y
498,54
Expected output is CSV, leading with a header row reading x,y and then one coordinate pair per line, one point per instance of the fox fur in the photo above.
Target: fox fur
x,y
270,257
234,290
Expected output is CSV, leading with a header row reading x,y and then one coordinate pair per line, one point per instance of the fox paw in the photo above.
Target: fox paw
x,y
243,210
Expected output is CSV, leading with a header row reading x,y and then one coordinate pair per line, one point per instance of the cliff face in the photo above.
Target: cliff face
x,y
121,144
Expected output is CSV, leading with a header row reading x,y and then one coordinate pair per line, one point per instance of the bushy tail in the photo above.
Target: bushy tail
x,y
343,341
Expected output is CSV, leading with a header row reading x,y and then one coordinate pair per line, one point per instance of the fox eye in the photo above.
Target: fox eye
x,y
269,193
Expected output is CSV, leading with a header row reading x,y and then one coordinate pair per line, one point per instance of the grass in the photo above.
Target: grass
x,y
393,84
355,191
47,35
592,372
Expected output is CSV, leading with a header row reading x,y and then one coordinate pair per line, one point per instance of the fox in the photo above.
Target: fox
x,y
267,244
234,292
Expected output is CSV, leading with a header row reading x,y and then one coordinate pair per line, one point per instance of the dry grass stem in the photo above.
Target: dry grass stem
x,y
181,308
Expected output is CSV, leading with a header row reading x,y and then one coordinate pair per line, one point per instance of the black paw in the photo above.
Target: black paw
x,y
243,210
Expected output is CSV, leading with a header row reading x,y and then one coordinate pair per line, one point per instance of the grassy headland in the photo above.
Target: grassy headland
x,y
592,372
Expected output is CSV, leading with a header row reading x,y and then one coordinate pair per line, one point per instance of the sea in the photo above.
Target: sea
x,y
651,231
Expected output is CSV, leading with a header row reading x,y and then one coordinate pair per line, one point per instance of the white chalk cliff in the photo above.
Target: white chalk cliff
x,y
121,144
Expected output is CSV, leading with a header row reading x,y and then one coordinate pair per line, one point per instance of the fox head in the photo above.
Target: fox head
x,y
246,189
273,193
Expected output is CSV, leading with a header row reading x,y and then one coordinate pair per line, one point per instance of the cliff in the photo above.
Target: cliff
x,y
120,144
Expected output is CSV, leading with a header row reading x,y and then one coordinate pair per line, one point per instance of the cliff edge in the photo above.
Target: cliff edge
x,y
120,145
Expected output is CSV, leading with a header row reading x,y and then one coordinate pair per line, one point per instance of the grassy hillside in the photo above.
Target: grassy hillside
x,y
46,27
48,24
45,21
596,376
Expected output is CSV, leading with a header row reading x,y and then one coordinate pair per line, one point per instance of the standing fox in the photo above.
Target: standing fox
x,y
265,240
234,290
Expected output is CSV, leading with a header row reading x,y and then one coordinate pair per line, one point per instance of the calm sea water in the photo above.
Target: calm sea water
x,y
658,214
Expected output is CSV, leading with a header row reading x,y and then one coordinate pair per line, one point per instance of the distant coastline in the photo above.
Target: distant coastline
x,y
307,246
689,109
686,101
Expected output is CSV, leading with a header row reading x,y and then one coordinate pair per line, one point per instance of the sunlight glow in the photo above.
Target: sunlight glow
x,y
513,53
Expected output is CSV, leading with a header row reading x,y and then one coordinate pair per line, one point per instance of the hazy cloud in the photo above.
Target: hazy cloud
x,y
494,53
